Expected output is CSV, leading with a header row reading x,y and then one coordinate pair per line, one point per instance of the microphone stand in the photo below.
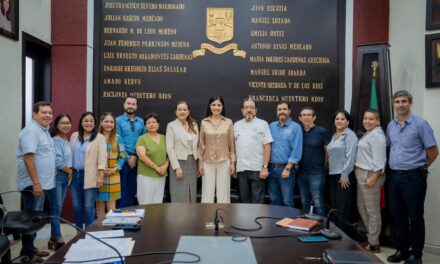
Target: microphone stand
x,y
312,216
39,218
216,221
326,231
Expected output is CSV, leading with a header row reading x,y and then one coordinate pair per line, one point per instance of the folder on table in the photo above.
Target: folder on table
x,y
302,224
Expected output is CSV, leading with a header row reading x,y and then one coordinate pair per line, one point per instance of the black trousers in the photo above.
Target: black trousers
x,y
251,187
344,200
407,192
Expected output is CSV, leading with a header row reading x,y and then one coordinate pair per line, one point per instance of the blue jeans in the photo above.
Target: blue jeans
x,y
31,203
83,200
128,187
281,190
58,195
407,190
311,188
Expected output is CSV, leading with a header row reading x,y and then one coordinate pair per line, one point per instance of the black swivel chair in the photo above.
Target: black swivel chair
x,y
4,246
16,223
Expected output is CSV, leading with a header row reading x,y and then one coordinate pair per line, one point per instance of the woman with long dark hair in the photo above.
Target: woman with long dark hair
x,y
342,156
216,152
89,163
182,137
5,15
63,163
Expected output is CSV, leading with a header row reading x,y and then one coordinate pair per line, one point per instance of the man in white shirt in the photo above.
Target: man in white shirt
x,y
253,145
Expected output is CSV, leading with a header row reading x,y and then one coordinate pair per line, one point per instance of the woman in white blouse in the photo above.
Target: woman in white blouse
x,y
370,165
182,137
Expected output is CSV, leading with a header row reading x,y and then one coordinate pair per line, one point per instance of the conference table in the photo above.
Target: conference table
x,y
164,224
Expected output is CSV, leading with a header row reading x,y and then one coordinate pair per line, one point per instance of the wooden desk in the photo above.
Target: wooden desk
x,y
165,223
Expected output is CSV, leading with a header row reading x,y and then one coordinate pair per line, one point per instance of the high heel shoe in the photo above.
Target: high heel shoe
x,y
59,245
51,243
54,244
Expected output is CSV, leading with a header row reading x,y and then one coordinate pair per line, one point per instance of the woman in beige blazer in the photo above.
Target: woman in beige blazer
x,y
89,163
182,137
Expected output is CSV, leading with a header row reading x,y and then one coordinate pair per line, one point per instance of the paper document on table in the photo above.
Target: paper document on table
x,y
91,249
284,222
122,212
215,250
106,234
121,220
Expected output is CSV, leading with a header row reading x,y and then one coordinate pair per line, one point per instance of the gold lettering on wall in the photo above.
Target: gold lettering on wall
x,y
276,8
113,30
152,18
138,43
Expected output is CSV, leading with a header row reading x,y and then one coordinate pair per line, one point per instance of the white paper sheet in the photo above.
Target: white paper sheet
x,y
88,249
106,234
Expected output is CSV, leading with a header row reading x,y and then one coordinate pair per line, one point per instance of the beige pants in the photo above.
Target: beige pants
x,y
216,178
150,189
368,203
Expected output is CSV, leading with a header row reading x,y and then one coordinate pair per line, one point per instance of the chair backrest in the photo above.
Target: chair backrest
x,y
2,208
4,245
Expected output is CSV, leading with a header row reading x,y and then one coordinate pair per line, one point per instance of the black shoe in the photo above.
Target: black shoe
x,y
41,253
413,260
398,256
31,259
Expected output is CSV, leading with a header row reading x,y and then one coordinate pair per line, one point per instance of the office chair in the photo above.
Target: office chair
x,y
4,246
16,223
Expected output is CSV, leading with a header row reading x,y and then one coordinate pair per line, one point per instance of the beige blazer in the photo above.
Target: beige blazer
x,y
96,159
177,143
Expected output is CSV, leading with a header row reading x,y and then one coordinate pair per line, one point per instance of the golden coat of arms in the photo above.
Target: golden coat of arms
x,y
219,29
220,24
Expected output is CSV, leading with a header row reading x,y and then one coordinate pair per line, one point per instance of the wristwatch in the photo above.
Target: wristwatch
x,y
265,166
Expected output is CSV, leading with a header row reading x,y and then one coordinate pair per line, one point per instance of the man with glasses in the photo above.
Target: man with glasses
x,y
311,175
252,141
129,127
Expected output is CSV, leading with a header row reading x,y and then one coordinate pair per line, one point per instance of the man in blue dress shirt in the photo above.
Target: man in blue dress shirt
x,y
286,153
412,150
35,170
129,127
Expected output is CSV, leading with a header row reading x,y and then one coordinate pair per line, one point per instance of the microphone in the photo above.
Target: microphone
x,y
326,231
216,221
38,218
312,216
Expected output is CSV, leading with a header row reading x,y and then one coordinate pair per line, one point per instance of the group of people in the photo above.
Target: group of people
x,y
121,161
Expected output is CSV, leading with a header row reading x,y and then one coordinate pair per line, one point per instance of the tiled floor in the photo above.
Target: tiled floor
x,y
68,232
42,237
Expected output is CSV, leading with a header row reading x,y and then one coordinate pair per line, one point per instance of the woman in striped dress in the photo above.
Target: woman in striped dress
x,y
110,191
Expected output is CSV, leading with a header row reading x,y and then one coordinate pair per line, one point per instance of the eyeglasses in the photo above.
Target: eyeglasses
x,y
132,125
65,123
